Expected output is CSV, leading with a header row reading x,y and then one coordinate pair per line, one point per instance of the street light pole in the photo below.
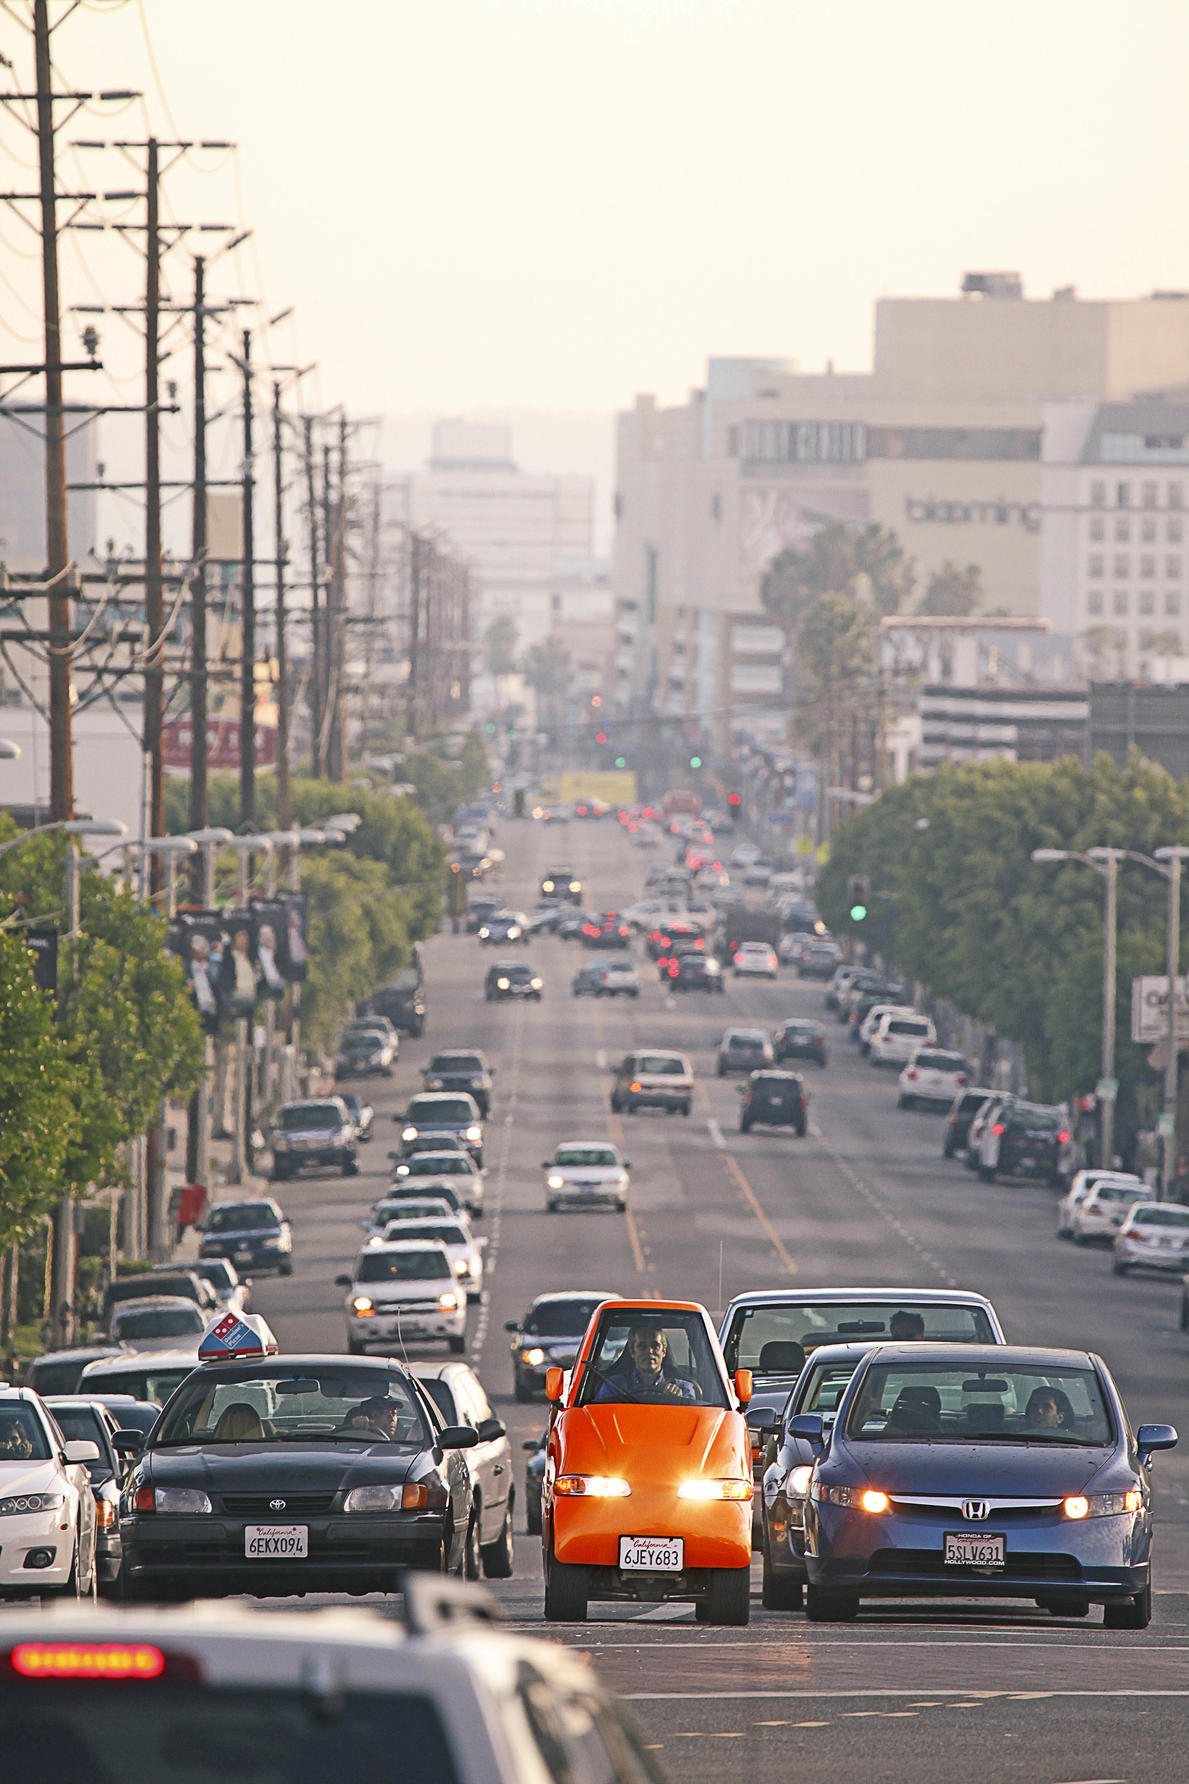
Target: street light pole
x,y
1174,855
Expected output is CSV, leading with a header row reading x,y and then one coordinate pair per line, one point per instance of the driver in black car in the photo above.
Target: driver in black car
x,y
374,1419
645,1371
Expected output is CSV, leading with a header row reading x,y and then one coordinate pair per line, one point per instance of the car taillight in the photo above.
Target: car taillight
x,y
142,1499
673,969
961,1078
912,1072
98,1660
998,1128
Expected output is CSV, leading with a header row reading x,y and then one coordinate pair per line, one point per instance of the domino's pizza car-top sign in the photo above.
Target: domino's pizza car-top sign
x,y
237,1335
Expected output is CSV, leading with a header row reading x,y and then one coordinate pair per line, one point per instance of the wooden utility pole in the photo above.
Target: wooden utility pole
x,y
413,688
337,741
154,677
199,801
315,693
56,540
284,817
247,708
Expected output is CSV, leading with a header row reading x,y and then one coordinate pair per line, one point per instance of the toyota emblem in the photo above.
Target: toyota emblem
x,y
975,1510
279,1505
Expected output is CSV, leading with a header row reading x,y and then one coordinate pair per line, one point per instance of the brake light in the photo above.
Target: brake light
x,y
961,1078
998,1128
142,1499
912,1072
673,969
87,1660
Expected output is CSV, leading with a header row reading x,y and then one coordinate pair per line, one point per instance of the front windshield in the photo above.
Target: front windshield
x,y
242,1217
443,1109
295,1405
938,1402
585,1155
422,1265
436,1164
766,1339
559,1319
309,1115
22,1438
455,1062
652,1359
160,1322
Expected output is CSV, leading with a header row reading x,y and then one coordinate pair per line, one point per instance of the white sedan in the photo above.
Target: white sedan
x,y
1080,1188
620,979
1100,1214
755,960
47,1509
933,1076
585,1171
463,1249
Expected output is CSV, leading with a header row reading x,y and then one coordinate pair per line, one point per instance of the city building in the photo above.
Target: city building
x,y
978,724
517,529
1126,715
1115,502
941,442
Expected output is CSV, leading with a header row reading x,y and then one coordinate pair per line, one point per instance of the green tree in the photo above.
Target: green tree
x,y
500,640
954,591
473,766
39,1119
865,562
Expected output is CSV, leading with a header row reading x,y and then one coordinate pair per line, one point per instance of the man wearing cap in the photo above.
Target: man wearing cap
x,y
645,1371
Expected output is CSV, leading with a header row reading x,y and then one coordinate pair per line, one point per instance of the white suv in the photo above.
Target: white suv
x,y
898,1036
47,1509
404,1290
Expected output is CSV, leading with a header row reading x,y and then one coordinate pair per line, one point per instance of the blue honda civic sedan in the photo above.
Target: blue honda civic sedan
x,y
981,1471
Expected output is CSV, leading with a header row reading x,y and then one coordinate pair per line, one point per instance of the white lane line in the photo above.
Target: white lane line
x,y
715,1132
876,1202
601,1058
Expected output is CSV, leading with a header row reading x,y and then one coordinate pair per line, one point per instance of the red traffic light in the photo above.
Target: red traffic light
x,y
734,798
600,737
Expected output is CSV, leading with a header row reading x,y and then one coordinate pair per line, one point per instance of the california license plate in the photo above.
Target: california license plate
x,y
651,1554
277,1542
981,1549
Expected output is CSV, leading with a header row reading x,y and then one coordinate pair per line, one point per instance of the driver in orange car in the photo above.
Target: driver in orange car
x,y
644,1371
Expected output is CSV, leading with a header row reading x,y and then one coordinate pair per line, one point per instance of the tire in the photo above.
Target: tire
x,y
728,1599
471,1559
985,1174
830,1607
904,1102
745,1127
551,1207
685,1108
499,1557
350,1167
1117,1268
1132,1613
286,1269
355,1348
73,1587
458,1345
722,1071
522,1390
779,1592
616,1107
1183,1322
278,1175
800,1131
567,1591
532,1517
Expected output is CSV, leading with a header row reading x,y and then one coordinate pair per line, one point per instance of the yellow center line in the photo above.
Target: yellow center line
x,y
749,1195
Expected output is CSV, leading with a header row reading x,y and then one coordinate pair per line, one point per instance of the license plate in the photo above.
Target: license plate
x,y
243,1257
651,1554
277,1542
980,1550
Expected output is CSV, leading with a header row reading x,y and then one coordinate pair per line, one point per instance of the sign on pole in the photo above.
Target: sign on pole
x,y
1149,1009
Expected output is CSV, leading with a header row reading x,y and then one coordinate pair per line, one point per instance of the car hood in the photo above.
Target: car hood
x,y
653,1443
281,1467
1023,1470
28,1477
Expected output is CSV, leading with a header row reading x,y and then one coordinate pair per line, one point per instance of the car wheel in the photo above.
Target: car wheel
x,y
350,1167
356,1347
279,1175
728,1595
458,1345
1118,1268
1131,1613
830,1607
779,1592
744,1127
1184,1319
551,1207
685,1108
532,1517
471,1563
286,1268
800,1130
522,1389
499,1557
904,1102
567,1591
621,1207
1078,1238
615,1105
73,1587
986,1174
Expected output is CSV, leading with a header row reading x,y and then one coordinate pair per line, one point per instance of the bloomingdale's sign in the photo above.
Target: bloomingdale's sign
x,y
929,511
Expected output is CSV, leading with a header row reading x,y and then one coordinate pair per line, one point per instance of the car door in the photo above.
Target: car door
x,y
490,1460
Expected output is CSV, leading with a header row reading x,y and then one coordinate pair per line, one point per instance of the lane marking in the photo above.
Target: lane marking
x,y
735,1170
876,1202
601,1058
716,1137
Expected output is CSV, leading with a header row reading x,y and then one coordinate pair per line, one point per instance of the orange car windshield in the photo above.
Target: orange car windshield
x,y
652,1359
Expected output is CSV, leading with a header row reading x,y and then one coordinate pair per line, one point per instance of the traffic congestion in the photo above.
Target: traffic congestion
x,y
651,1313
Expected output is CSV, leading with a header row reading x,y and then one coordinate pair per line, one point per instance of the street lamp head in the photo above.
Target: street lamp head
x,y
165,845
346,821
1100,852
1051,855
252,845
95,827
310,839
9,751
1172,852
217,833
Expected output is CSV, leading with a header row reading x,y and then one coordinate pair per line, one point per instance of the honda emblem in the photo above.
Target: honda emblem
x,y
975,1510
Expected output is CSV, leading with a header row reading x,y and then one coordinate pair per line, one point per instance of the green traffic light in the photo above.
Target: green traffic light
x,y
857,912
621,761
695,761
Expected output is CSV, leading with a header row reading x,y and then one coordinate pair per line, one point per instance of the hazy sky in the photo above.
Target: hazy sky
x,y
561,202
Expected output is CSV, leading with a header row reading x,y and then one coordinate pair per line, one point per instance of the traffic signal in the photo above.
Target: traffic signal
x,y
600,737
695,761
858,897
621,761
734,799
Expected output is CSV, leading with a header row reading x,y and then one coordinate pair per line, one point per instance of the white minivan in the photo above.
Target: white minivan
x,y
898,1036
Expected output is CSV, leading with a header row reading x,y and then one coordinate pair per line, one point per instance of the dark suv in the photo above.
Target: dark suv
x,y
459,1070
505,980
800,1039
1024,1140
773,1099
318,1131
403,1002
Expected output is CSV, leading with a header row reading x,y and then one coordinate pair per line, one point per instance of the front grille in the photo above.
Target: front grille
x,y
258,1505
929,1562
391,1309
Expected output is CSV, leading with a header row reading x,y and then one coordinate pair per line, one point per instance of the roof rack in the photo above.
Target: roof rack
x,y
433,1603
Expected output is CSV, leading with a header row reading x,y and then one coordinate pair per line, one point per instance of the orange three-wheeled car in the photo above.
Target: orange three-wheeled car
x,y
648,1481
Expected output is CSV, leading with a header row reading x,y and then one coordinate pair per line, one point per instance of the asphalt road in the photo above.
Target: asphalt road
x,y
909,1691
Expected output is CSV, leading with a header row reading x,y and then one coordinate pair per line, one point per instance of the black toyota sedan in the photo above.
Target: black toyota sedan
x,y
282,1475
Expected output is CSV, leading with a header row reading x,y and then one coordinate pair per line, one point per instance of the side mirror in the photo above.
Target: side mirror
x,y
511,1325
456,1437
531,1443
810,1427
81,1449
491,1430
128,1443
627,1164
554,1384
545,1163
1150,1438
743,1386
342,1281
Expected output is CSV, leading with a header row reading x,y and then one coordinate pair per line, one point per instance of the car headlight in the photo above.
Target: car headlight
x,y
501,984
180,1499
23,1502
408,1133
1102,1505
575,885
799,1479
362,1304
433,1083
591,1486
412,1496
513,931
271,1242
346,1134
484,933
714,1489
448,1303
534,1356
461,1267
537,984
868,1499
555,1182
474,1132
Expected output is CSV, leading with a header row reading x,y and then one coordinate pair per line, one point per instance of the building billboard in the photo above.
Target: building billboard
x,y
1149,1009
